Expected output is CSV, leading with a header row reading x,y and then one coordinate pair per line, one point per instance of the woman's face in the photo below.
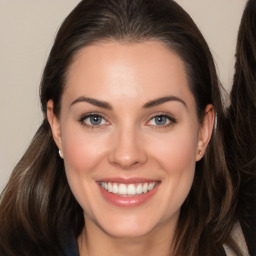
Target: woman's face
x,y
130,136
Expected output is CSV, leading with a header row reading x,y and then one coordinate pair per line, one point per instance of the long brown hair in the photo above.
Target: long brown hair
x,y
240,138
37,201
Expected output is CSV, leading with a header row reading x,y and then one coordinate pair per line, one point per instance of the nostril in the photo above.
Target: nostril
x,y
126,150
136,163
127,162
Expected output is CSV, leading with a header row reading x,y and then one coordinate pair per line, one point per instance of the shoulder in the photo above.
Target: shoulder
x,y
239,238
245,237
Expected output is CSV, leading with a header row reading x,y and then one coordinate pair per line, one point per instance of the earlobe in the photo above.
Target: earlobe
x,y
205,132
54,123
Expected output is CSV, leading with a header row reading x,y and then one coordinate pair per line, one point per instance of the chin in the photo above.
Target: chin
x,y
130,225
128,232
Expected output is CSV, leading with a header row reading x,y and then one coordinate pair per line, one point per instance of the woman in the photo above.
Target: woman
x,y
128,156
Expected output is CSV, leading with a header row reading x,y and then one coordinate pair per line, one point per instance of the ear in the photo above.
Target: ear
x,y
55,124
205,131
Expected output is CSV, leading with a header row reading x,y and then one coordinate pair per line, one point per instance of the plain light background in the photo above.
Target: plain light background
x,y
27,31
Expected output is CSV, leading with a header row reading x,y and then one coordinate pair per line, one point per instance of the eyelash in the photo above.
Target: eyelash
x,y
171,121
168,118
92,115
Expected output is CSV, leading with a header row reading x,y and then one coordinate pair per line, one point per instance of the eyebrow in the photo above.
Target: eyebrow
x,y
97,103
150,104
162,100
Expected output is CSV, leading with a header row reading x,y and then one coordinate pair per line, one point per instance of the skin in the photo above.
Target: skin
x,y
129,142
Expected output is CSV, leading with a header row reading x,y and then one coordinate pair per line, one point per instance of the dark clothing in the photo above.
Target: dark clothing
x,y
69,244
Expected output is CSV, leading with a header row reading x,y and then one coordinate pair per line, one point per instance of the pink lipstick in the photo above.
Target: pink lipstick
x,y
128,192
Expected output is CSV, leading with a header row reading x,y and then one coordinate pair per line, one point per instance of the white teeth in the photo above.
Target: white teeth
x,y
109,187
151,185
115,188
122,189
145,188
139,189
128,189
131,189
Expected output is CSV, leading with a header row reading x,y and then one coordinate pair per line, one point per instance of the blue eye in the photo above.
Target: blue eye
x,y
93,120
161,120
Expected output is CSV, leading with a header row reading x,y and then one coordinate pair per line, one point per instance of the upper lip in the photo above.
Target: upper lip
x,y
133,180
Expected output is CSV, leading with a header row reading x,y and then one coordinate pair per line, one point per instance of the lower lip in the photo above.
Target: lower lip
x,y
128,201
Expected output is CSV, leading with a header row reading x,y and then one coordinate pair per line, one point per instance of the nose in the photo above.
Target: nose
x,y
127,150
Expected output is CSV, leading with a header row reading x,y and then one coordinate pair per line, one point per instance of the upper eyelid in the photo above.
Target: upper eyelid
x,y
171,117
171,121
89,125
87,115
167,117
147,119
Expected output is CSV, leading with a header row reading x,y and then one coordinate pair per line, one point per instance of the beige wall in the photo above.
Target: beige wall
x,y
27,29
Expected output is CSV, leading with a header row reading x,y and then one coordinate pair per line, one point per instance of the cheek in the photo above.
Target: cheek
x,y
176,152
82,151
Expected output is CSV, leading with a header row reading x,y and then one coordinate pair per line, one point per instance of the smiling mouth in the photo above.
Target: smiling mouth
x,y
126,190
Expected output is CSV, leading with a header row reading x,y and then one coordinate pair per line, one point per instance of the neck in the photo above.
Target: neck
x,y
93,241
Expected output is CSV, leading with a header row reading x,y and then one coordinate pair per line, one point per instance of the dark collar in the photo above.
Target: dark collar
x,y
69,243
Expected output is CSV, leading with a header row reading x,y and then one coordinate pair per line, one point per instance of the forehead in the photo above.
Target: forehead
x,y
119,69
